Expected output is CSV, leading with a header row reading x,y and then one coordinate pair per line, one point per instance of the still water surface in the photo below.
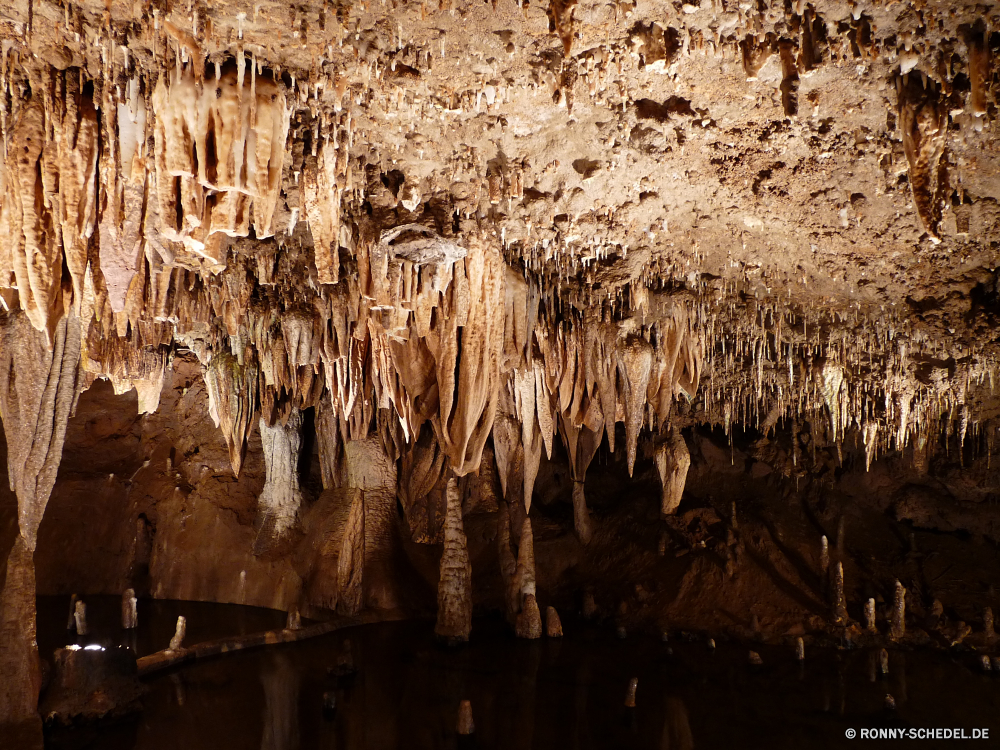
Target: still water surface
x,y
566,693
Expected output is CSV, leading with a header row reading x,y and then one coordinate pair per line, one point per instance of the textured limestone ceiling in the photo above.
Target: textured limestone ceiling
x,y
459,224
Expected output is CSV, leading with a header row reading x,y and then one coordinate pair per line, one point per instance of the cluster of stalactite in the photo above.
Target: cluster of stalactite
x,y
874,378
434,352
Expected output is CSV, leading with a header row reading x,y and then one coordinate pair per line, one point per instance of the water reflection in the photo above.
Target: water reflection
x,y
281,703
545,694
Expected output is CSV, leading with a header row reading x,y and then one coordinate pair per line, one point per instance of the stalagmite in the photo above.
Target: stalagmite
x,y
985,664
454,616
633,684
130,617
824,556
839,606
581,516
672,462
294,620
508,565
281,497
19,664
898,628
80,618
529,620
755,659
553,626
466,725
870,616
177,641
363,574
524,576
528,623
71,621
883,661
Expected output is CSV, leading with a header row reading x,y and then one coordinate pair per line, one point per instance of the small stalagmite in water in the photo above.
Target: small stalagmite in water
x,y
870,616
71,622
466,725
130,614
177,642
800,649
883,661
630,693
553,626
80,618
529,620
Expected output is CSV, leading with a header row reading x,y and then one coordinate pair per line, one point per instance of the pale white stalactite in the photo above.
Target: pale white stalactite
x,y
281,498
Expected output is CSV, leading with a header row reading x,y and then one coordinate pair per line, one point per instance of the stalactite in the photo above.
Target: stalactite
x,y
39,388
281,498
232,395
218,168
50,197
672,462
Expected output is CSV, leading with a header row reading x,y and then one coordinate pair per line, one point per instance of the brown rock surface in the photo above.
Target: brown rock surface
x,y
575,282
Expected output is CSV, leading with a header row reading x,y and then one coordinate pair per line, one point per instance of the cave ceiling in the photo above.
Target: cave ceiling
x,y
467,227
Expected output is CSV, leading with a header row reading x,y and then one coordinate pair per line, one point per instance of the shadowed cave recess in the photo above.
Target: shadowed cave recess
x,y
667,317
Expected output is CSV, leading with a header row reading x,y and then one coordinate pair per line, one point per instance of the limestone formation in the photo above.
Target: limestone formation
x,y
672,462
529,619
39,387
80,618
633,684
553,626
898,626
177,640
130,616
466,725
870,616
482,275
837,593
281,497
454,617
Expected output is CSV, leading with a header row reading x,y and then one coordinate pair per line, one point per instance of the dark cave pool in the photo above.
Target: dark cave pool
x,y
552,693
